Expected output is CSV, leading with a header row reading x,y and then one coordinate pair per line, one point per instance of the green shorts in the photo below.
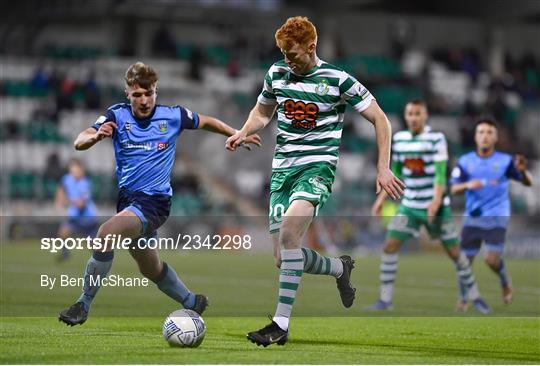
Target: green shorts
x,y
312,182
408,221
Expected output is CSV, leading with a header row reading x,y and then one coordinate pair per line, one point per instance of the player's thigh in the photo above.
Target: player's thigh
x,y
296,221
125,223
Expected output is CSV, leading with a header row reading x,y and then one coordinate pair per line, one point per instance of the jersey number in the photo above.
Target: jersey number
x,y
302,115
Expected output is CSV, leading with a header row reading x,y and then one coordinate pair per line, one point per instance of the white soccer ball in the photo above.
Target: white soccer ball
x,y
184,328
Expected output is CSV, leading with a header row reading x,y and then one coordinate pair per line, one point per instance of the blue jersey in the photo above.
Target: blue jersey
x,y
145,149
78,189
489,206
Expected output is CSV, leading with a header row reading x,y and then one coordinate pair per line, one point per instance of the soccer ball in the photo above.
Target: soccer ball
x,y
184,328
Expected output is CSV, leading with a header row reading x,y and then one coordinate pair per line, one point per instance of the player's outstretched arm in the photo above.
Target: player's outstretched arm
x,y
215,125
258,118
386,180
459,188
60,199
90,136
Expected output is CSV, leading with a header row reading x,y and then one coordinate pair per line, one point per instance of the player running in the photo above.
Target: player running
x,y
420,155
484,177
144,138
74,192
310,97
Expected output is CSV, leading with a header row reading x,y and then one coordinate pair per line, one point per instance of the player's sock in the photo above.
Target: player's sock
x,y
501,272
290,274
169,282
389,264
462,289
466,277
98,267
315,263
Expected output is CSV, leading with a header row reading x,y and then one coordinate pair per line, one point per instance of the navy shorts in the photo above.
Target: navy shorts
x,y
153,210
82,226
473,237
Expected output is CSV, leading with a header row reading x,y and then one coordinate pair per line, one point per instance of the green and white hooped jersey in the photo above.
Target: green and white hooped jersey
x,y
310,111
417,155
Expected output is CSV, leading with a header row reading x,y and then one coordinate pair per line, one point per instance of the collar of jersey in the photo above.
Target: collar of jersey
x,y
426,129
315,68
144,121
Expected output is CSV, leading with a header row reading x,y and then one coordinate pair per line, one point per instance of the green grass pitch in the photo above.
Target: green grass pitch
x,y
125,323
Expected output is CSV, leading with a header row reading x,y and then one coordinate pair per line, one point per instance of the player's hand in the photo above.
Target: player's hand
x,y
106,130
80,203
240,138
390,183
520,163
252,139
377,208
432,209
474,184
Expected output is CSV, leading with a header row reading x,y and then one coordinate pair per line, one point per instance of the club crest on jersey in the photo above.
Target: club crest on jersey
x,y
163,126
322,88
162,145
127,126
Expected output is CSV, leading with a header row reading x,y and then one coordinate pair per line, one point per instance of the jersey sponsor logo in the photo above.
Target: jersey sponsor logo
x,y
136,145
415,165
322,88
162,145
163,127
302,115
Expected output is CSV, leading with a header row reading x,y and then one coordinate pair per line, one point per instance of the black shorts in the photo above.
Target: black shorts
x,y
153,210
473,237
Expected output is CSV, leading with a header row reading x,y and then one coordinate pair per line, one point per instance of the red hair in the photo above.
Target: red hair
x,y
296,30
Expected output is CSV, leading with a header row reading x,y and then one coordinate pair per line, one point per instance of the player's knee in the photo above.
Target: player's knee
x,y
493,262
454,253
288,238
391,246
104,229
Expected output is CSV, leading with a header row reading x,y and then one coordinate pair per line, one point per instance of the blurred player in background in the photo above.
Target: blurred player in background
x,y
420,156
144,138
483,175
74,192
310,97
